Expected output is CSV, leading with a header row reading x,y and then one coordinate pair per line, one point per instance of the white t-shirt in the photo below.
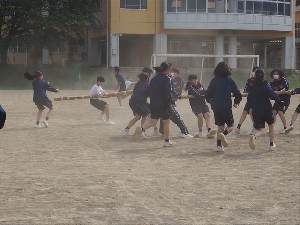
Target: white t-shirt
x,y
127,83
96,90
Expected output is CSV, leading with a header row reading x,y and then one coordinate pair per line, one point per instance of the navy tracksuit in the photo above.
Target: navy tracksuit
x,y
278,85
2,117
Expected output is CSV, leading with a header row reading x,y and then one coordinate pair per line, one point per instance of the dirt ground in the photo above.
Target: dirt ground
x,y
81,171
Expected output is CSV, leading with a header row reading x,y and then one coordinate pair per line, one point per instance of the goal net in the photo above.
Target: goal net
x,y
206,63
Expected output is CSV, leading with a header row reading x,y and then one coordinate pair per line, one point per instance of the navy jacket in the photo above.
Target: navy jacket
x,y
178,84
39,89
198,92
219,92
249,84
259,98
278,85
141,91
295,91
121,80
161,89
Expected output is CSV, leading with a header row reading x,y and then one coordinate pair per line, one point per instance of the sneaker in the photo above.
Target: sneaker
x,y
237,131
109,122
156,133
252,131
120,107
126,132
169,144
46,124
102,118
283,131
289,129
211,134
144,135
223,139
38,126
187,136
137,133
252,142
198,134
272,147
220,149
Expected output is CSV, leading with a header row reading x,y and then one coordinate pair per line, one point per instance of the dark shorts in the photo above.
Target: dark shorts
x,y
2,117
261,118
160,112
139,108
122,88
197,109
224,117
298,109
42,103
247,107
277,107
98,103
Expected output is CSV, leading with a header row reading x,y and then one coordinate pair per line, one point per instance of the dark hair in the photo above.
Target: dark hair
x,y
163,67
260,76
255,68
190,77
279,71
222,70
143,77
38,74
145,70
117,69
175,70
100,79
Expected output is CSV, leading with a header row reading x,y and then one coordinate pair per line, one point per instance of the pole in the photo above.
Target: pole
x,y
107,36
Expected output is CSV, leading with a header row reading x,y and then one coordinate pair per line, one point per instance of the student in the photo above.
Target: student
x,y
259,101
120,85
246,110
280,83
178,85
40,98
97,92
198,105
296,113
138,101
2,117
218,94
185,75
160,100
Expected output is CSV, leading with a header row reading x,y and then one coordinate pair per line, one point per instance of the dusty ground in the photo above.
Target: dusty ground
x,y
80,171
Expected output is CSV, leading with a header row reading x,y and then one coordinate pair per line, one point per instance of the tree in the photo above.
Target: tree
x,y
44,23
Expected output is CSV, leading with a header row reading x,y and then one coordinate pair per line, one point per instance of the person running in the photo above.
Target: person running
x,y
246,110
259,101
198,105
40,98
2,117
295,114
160,100
218,94
97,92
121,86
280,83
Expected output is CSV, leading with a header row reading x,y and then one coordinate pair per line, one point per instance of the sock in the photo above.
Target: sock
x,y
167,140
239,126
291,124
37,122
208,129
284,127
200,130
47,118
219,143
271,143
225,132
127,128
143,130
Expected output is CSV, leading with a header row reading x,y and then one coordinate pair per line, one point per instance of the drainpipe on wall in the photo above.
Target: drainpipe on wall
x,y
107,37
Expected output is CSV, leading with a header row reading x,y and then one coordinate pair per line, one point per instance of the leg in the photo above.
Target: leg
x,y
106,111
200,121
39,116
282,117
119,100
274,115
133,121
242,118
211,133
175,117
294,117
167,129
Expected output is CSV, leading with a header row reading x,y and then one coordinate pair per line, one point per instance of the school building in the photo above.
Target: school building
x,y
132,30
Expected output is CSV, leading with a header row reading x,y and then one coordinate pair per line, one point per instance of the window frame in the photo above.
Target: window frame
x,y
123,5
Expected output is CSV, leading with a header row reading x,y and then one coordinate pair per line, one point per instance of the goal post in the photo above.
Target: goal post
x,y
158,58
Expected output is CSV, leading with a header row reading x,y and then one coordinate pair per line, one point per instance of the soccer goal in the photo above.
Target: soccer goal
x,y
202,61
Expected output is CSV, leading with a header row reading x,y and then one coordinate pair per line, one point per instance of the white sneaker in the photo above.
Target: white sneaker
x,y
102,118
156,133
137,133
223,139
187,136
109,122
126,132
252,142
283,131
220,149
46,124
198,134
37,126
237,131
144,135
120,107
289,129
252,131
211,134
272,147
169,144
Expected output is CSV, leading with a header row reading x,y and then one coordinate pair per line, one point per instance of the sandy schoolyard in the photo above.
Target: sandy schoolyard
x,y
81,171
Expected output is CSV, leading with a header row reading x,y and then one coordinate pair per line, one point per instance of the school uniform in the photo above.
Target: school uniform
x,y
2,117
138,101
296,91
248,85
218,94
259,100
178,84
97,103
121,80
198,103
40,97
278,85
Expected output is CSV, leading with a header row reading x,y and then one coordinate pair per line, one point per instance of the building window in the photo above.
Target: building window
x,y
133,4
297,30
297,2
